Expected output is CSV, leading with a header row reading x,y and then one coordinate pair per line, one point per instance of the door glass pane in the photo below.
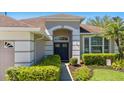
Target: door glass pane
x,y
64,45
57,45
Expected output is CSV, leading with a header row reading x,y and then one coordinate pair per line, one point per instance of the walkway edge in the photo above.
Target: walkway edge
x,y
69,71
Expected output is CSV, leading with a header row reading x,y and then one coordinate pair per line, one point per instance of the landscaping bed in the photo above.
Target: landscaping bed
x,y
100,73
48,69
94,67
80,72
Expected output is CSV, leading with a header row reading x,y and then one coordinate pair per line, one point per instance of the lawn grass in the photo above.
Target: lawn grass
x,y
103,73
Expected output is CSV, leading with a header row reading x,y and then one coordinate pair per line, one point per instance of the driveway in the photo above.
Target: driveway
x,y
64,73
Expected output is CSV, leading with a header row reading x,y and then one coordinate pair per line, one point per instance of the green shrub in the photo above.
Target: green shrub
x,y
54,60
73,61
118,65
34,73
98,58
82,73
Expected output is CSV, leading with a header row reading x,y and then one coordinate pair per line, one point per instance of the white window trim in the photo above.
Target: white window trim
x,y
95,45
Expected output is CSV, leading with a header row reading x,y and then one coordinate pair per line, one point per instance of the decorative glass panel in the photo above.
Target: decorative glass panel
x,y
86,45
8,44
61,38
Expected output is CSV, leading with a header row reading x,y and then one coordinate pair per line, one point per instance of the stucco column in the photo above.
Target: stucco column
x,y
76,45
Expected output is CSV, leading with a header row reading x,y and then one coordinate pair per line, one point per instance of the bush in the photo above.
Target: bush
x,y
54,60
48,69
98,59
118,65
73,61
82,73
34,73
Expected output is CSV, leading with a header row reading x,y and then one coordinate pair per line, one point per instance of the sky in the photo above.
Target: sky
x,y
24,15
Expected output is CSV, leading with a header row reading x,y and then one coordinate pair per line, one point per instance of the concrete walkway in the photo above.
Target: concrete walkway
x,y
64,73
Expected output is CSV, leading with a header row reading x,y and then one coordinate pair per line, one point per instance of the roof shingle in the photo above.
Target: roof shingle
x,y
89,29
6,21
39,22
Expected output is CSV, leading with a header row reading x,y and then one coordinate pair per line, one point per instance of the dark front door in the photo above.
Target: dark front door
x,y
61,49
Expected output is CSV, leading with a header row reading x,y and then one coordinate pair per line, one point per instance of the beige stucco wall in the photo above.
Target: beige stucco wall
x,y
39,49
6,61
24,46
15,35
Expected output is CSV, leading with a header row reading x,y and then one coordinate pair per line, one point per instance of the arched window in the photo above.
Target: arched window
x,y
61,38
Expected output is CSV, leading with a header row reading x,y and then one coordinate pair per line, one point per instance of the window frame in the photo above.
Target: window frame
x,y
102,45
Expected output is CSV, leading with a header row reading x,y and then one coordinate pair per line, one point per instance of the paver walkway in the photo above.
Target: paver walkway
x,y
64,73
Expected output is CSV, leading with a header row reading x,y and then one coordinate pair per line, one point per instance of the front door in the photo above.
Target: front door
x,y
61,49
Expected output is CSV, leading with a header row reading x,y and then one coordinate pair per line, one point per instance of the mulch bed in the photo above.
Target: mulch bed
x,y
73,68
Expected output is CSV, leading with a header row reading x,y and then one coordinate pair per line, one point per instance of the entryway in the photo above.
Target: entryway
x,y
62,41
62,49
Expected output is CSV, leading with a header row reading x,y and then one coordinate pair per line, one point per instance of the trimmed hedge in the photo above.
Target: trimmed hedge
x,y
82,74
34,73
98,58
53,60
73,61
48,70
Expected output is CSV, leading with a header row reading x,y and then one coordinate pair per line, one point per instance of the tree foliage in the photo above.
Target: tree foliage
x,y
112,28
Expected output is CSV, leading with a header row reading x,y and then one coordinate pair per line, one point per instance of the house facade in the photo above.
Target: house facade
x,y
26,41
